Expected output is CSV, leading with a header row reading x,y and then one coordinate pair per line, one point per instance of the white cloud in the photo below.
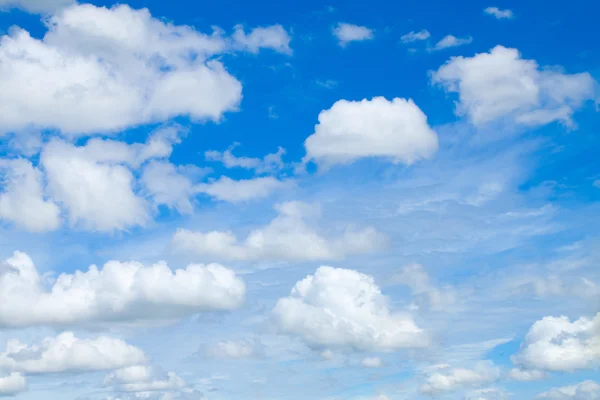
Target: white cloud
x,y
396,130
168,185
586,390
273,37
271,163
235,350
143,378
35,6
487,394
347,33
102,70
452,41
557,344
526,375
455,378
67,353
371,362
243,190
22,199
117,292
345,309
12,384
287,237
413,36
425,293
498,13
502,86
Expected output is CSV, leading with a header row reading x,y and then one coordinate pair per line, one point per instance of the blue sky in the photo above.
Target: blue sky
x,y
363,201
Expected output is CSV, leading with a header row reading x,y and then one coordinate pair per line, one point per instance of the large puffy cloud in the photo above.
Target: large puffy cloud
x,y
22,199
67,353
100,70
12,384
500,85
288,237
345,309
238,191
117,292
586,390
452,379
35,6
557,344
143,378
396,130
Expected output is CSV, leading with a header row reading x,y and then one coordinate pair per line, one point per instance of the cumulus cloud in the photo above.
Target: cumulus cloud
x,y
346,33
12,384
22,199
452,41
103,69
169,185
243,190
67,353
413,36
450,379
288,237
35,6
143,378
117,292
498,13
235,350
395,130
345,309
273,37
526,375
557,344
500,85
586,390
271,163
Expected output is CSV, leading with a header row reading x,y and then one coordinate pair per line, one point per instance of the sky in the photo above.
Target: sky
x,y
299,200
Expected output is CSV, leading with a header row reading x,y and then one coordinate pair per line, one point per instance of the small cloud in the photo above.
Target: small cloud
x,y
327,84
498,13
597,183
272,114
413,36
452,41
347,33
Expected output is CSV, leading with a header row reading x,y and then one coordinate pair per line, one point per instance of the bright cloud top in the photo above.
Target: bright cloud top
x,y
395,130
502,86
343,308
143,378
12,384
117,292
288,237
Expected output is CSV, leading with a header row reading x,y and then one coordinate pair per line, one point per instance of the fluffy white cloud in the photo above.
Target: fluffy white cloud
x,y
35,6
345,309
526,375
12,384
452,41
273,37
451,379
396,130
67,353
101,70
557,344
239,191
498,13
586,390
231,349
288,237
270,163
347,33
413,36
168,185
22,199
143,378
425,293
117,292
500,85
371,362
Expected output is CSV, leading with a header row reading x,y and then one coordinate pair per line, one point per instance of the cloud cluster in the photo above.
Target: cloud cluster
x,y
586,390
12,384
345,309
288,237
117,292
395,130
451,379
502,86
143,378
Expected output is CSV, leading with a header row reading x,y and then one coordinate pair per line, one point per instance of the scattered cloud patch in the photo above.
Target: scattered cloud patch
x,y
498,13
452,41
448,380
415,36
243,190
143,378
13,384
273,37
269,164
346,33
586,390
